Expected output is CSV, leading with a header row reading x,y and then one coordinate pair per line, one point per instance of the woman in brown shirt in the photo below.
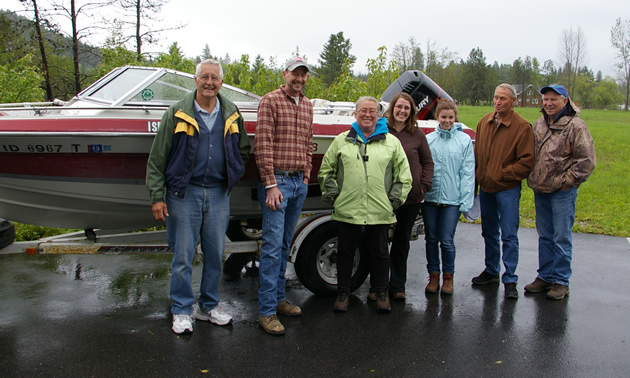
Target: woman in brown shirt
x,y
402,115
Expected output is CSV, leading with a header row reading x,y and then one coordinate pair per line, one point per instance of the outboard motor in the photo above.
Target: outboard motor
x,y
424,91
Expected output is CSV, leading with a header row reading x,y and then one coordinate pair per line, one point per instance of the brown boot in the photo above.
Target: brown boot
x,y
447,284
341,303
287,309
434,283
271,325
382,303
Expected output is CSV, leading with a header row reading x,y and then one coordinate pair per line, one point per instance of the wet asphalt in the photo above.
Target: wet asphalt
x,y
108,316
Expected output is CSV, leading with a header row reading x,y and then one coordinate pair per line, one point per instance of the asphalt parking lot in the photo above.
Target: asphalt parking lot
x,y
108,316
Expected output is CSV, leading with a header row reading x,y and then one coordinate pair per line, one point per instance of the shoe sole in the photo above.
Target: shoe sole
x,y
446,292
288,314
384,310
184,332
557,298
208,319
537,291
281,333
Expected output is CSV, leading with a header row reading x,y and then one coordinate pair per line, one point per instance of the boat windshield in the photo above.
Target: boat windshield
x,y
166,90
114,89
142,86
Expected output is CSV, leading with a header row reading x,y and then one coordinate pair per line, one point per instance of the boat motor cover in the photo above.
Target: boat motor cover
x,y
424,91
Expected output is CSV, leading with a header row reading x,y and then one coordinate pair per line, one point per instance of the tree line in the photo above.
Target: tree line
x,y
38,62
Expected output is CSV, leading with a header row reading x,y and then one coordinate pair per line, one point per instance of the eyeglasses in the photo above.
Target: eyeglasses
x,y
367,111
214,79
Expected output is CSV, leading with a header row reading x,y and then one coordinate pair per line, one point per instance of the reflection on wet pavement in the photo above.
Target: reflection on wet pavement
x,y
108,315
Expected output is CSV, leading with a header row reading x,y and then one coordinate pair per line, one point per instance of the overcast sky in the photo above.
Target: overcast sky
x,y
504,30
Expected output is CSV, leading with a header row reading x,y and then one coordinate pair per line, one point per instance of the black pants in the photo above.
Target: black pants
x,y
372,241
405,218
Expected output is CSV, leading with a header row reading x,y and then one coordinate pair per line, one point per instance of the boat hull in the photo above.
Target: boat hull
x,y
102,183
89,172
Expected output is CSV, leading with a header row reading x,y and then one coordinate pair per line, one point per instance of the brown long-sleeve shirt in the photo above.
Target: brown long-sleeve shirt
x,y
420,162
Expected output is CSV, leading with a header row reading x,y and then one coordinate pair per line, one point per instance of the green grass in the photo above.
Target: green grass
x,y
603,202
26,232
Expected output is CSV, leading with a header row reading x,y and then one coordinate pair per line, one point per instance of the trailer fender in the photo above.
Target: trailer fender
x,y
305,226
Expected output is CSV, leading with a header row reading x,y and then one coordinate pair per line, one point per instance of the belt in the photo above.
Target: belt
x,y
438,204
287,173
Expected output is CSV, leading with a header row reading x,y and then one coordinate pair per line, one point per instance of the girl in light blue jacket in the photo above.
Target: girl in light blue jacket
x,y
451,194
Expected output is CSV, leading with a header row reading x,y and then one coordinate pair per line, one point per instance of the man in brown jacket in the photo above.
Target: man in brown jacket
x,y
504,156
555,179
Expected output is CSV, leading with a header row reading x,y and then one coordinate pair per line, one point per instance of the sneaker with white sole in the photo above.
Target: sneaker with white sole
x,y
182,324
216,316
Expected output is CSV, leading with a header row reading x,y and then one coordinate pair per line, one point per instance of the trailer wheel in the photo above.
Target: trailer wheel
x,y
246,230
316,263
241,264
7,233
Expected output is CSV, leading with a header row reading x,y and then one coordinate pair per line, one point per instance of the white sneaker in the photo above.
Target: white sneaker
x,y
182,324
216,316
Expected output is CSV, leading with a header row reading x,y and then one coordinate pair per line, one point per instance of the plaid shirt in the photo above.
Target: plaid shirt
x,y
284,135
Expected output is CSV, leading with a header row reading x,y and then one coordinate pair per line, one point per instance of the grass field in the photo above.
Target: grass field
x,y
603,203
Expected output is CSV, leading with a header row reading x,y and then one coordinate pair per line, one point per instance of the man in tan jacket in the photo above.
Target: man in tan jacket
x,y
555,178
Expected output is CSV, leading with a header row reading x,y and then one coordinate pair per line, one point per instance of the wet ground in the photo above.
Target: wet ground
x,y
108,315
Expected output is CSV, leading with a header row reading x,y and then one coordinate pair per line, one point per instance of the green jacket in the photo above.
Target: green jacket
x,y
365,183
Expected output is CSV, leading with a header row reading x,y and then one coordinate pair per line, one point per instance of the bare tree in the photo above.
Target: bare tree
x,y
73,10
142,16
436,58
408,56
620,39
572,54
37,21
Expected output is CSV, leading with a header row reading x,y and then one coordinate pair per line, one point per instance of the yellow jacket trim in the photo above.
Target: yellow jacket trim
x,y
230,124
188,124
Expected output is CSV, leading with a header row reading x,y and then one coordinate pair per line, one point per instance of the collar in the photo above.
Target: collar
x,y
507,120
201,110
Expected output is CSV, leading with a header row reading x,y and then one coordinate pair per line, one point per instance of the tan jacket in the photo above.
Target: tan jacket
x,y
565,153
504,154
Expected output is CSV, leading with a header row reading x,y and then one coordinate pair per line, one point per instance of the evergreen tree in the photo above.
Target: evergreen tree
x,y
474,84
335,54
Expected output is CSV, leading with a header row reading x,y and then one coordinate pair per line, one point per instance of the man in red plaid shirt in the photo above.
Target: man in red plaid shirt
x,y
284,150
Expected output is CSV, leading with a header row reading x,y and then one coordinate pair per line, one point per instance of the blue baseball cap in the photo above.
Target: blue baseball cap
x,y
559,89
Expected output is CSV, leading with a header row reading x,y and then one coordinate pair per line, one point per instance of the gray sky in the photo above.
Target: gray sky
x,y
504,30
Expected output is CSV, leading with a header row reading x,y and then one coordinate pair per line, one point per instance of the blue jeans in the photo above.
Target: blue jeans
x,y
440,223
203,215
499,223
555,215
277,234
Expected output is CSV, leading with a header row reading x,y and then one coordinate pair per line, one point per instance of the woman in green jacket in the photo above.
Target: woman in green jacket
x,y
365,176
